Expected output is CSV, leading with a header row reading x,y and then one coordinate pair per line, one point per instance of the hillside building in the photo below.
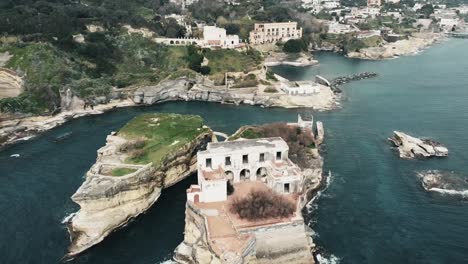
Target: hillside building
x,y
265,160
274,32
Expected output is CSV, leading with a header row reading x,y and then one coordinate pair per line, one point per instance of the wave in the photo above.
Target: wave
x,y
332,259
463,193
444,182
167,261
311,206
67,218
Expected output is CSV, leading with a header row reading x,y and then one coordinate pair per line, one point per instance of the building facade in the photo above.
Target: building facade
x,y
274,32
264,160
300,88
217,37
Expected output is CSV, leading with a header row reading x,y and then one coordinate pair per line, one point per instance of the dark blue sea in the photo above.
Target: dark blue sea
x,y
374,210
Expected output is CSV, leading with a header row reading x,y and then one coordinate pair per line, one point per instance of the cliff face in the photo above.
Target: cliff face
x,y
196,90
109,202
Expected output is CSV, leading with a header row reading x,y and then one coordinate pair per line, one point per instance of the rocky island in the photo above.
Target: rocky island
x,y
150,153
246,207
444,182
410,147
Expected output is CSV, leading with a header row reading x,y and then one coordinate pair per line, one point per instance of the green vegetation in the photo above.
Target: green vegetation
x,y
295,46
122,171
90,69
221,61
163,134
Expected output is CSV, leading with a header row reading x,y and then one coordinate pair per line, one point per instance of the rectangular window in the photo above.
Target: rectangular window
x,y
278,155
227,161
262,157
208,163
286,187
245,159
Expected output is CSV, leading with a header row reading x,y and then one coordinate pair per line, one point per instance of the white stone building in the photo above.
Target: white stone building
x,y
274,32
338,28
213,37
448,23
217,37
300,88
264,159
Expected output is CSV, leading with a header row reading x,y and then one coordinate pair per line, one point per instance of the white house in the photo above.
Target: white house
x,y
448,23
300,88
264,159
217,37
338,28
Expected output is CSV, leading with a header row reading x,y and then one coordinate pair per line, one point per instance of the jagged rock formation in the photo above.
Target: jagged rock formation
x,y
444,182
410,147
191,90
109,202
11,85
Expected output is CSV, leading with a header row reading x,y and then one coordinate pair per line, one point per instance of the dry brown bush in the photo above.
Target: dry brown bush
x,y
298,140
138,153
262,204
132,145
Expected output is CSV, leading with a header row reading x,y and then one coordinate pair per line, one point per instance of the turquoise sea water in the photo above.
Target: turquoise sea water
x,y
374,211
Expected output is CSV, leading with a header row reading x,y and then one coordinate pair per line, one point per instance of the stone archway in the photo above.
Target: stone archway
x,y
261,174
171,42
244,175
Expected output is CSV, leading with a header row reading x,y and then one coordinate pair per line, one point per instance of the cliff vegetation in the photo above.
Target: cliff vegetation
x,y
153,137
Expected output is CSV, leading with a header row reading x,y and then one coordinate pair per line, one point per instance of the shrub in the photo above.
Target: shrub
x,y
138,153
132,145
295,46
262,204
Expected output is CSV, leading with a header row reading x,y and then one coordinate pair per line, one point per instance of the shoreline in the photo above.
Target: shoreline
x,y
414,45
25,128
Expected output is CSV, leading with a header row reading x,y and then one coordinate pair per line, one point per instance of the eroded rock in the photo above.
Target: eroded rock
x,y
410,147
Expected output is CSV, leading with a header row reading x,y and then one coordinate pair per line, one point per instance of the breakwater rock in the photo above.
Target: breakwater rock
x,y
411,147
354,77
117,190
444,182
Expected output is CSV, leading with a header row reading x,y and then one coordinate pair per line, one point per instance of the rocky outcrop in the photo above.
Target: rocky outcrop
x,y
444,182
282,243
11,85
109,202
410,46
193,90
410,147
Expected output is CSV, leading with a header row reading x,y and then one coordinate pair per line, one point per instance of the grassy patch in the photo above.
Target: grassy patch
x,y
163,134
221,61
122,171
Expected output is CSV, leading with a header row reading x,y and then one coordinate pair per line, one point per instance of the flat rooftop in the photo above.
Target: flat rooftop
x,y
273,142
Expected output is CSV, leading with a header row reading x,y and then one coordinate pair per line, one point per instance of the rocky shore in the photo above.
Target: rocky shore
x,y
116,190
281,58
410,46
444,182
13,130
410,147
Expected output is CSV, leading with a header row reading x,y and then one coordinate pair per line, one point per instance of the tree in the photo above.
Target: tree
x,y
294,46
427,10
